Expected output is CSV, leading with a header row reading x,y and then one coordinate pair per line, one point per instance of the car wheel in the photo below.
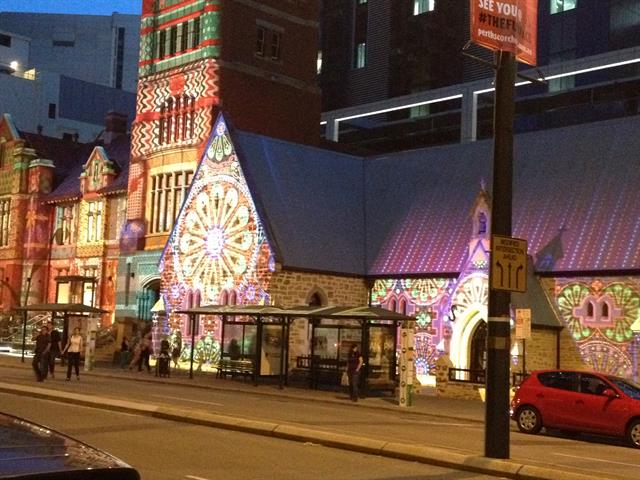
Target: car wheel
x,y
529,420
633,433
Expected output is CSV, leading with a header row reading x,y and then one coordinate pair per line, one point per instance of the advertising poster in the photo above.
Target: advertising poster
x,y
508,25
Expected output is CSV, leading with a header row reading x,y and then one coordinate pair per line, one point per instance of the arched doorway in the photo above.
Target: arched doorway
x,y
478,352
147,299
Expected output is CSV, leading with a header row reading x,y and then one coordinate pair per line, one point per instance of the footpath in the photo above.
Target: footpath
x,y
425,404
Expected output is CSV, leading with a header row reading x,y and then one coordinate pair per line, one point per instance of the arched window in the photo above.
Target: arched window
x,y
403,307
177,119
392,304
232,297
315,300
590,309
605,310
482,223
224,298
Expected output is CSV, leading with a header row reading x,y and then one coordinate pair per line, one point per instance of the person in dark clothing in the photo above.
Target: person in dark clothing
x,y
146,351
55,348
124,352
234,350
39,353
354,367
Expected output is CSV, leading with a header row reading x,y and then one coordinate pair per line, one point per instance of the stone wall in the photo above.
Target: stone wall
x,y
289,289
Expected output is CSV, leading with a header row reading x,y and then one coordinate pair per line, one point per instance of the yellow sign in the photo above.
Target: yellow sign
x,y
508,264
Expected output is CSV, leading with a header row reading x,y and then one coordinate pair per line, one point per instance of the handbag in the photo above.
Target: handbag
x,y
344,380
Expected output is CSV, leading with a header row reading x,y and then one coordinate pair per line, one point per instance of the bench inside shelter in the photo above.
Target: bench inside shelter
x,y
234,368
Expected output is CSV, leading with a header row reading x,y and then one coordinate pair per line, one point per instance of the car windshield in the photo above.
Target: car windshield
x,y
629,387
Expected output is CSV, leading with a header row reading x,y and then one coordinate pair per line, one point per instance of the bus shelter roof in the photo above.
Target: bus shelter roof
x,y
61,308
326,312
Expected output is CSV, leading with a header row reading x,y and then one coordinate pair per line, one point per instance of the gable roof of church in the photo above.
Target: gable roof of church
x,y
408,212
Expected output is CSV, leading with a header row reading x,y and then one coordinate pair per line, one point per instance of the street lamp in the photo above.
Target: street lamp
x,y
635,328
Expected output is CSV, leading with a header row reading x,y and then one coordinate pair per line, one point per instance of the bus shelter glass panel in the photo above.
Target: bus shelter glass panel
x,y
239,341
332,344
271,351
382,353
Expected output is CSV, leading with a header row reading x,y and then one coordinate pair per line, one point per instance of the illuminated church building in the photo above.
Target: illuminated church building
x,y
271,221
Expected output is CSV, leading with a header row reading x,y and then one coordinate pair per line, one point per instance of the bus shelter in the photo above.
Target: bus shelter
x,y
78,312
260,335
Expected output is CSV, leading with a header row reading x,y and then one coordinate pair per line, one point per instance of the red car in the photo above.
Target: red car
x,y
587,402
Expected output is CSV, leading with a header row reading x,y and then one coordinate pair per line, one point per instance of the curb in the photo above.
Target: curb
x,y
437,456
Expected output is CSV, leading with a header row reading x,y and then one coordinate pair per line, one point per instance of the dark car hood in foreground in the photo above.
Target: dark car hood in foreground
x,y
29,451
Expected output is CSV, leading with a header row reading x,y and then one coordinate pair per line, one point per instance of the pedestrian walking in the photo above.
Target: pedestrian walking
x,y
55,348
73,349
146,349
39,354
124,352
177,349
354,367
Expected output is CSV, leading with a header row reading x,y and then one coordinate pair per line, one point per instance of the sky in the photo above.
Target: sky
x,y
86,7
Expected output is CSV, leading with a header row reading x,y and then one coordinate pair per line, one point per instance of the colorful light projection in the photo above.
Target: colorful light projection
x,y
218,244
427,300
598,313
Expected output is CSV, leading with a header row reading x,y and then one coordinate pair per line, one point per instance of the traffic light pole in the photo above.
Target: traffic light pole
x,y
499,331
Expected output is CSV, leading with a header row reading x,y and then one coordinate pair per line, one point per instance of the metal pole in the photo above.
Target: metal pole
x,y
192,320
24,333
499,331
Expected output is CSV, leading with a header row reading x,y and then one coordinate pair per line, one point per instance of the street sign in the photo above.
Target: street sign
x,y
508,264
523,323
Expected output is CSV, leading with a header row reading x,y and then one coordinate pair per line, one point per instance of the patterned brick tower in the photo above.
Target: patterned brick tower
x,y
256,60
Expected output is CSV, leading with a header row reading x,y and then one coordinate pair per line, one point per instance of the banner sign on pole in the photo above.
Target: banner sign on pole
x,y
508,25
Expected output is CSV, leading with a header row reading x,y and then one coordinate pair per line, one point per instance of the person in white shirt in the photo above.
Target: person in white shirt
x,y
73,349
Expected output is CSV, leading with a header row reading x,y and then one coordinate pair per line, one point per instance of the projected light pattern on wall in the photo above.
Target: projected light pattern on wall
x,y
598,314
218,244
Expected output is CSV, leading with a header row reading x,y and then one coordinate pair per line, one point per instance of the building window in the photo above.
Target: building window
x,y
94,222
196,33
52,110
5,40
184,36
261,35
268,42
162,40
361,55
64,225
275,46
423,6
177,120
168,191
173,40
362,2
319,62
5,212
559,6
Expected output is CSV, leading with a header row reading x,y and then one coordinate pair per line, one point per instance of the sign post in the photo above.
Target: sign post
x,y
509,27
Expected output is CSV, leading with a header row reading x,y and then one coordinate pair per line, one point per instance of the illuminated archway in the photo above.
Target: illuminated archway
x,y
471,298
